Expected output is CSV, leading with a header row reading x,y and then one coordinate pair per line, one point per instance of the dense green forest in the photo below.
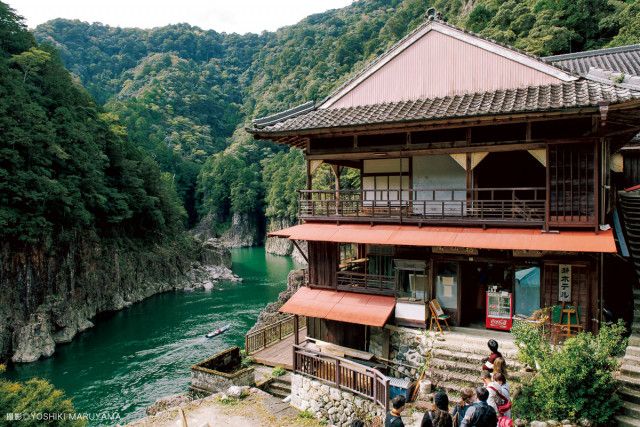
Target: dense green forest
x,y
184,94
65,166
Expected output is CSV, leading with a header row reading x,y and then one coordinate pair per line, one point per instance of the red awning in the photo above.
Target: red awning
x,y
372,310
477,238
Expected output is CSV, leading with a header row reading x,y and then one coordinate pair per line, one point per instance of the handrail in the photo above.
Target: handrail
x,y
344,374
271,334
480,205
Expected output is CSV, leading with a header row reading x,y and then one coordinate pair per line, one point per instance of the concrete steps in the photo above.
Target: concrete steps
x,y
279,386
630,367
456,361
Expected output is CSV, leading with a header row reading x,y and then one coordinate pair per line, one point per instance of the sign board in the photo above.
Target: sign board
x,y
564,282
454,250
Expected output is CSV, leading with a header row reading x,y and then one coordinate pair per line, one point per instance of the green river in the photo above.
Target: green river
x,y
135,356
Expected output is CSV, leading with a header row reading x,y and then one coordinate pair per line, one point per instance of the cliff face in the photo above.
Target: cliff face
x,y
242,232
283,247
49,295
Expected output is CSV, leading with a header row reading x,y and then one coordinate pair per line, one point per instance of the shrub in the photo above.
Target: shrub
x,y
532,345
278,371
36,396
576,380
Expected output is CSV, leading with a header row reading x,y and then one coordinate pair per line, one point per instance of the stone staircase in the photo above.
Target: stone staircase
x,y
456,360
630,372
630,369
278,386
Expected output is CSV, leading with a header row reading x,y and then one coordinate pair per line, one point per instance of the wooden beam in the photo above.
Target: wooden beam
x,y
300,250
393,151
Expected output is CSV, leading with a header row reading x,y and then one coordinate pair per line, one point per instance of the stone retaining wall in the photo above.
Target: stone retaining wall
x,y
336,406
407,346
221,372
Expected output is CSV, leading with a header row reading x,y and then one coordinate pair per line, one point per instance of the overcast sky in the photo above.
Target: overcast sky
x,y
240,16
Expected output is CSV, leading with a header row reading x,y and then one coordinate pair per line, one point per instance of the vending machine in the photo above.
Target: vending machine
x,y
499,310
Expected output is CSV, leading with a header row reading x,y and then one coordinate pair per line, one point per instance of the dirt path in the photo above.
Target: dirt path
x,y
258,409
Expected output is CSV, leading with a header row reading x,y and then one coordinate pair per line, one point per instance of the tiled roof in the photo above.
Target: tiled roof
x,y
555,97
623,59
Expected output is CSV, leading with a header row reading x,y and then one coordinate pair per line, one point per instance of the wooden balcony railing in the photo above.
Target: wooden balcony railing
x,y
271,334
353,281
511,206
343,374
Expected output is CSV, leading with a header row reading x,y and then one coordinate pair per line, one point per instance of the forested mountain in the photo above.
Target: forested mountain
x,y
87,219
180,92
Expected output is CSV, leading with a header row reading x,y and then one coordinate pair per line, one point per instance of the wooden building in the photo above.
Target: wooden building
x,y
485,183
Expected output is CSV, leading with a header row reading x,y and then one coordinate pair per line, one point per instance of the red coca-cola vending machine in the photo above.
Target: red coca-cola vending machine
x,y
499,310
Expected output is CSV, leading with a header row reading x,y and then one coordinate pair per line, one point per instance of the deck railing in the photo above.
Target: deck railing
x,y
271,334
343,374
355,281
483,205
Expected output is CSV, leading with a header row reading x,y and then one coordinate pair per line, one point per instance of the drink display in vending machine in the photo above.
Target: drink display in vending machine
x,y
499,310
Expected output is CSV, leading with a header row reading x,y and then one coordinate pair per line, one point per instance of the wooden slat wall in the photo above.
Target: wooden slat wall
x,y
572,170
323,264
631,168
583,290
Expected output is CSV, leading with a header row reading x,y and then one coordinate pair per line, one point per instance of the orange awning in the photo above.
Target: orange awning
x,y
372,310
463,237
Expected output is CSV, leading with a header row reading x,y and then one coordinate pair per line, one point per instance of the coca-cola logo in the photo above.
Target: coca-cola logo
x,y
498,322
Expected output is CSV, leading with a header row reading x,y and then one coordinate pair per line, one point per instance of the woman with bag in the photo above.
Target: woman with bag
x,y
466,400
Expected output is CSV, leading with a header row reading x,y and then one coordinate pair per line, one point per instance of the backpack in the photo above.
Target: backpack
x,y
505,422
504,405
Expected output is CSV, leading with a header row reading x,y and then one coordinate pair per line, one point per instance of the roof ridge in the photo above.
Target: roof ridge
x,y
431,22
594,52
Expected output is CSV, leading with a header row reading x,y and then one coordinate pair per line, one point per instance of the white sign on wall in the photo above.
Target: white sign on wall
x,y
564,282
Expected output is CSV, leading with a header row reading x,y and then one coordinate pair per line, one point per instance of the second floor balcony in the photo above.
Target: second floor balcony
x,y
526,206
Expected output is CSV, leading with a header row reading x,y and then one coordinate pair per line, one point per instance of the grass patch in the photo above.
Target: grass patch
x,y
306,415
278,371
228,401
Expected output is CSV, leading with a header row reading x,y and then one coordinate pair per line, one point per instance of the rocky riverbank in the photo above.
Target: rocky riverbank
x,y
49,296
270,313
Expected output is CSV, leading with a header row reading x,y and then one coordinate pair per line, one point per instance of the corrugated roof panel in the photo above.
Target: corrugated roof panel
x,y
464,237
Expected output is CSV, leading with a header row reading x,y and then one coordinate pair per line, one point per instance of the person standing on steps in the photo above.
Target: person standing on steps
x,y
492,387
480,414
439,416
504,391
488,362
466,400
394,418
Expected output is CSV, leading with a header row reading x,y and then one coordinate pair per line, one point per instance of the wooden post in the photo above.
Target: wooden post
x,y
246,344
336,172
264,338
296,337
547,203
338,373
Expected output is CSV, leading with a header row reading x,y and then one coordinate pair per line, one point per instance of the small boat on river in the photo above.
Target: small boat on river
x,y
218,331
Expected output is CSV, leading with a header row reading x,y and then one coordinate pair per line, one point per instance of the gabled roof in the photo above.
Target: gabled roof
x,y
574,94
622,59
486,44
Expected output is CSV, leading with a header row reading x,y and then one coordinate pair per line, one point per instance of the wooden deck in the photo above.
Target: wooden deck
x,y
280,354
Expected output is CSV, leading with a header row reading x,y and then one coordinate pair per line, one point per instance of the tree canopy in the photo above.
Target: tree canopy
x,y
184,94
63,166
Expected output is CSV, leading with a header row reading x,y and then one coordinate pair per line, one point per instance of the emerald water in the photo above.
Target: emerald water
x,y
135,356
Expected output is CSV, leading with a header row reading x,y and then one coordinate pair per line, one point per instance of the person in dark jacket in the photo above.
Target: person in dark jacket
x,y
439,416
467,397
393,418
480,414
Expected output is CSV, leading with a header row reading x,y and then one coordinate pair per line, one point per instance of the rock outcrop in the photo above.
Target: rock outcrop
x,y
284,247
270,313
48,296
